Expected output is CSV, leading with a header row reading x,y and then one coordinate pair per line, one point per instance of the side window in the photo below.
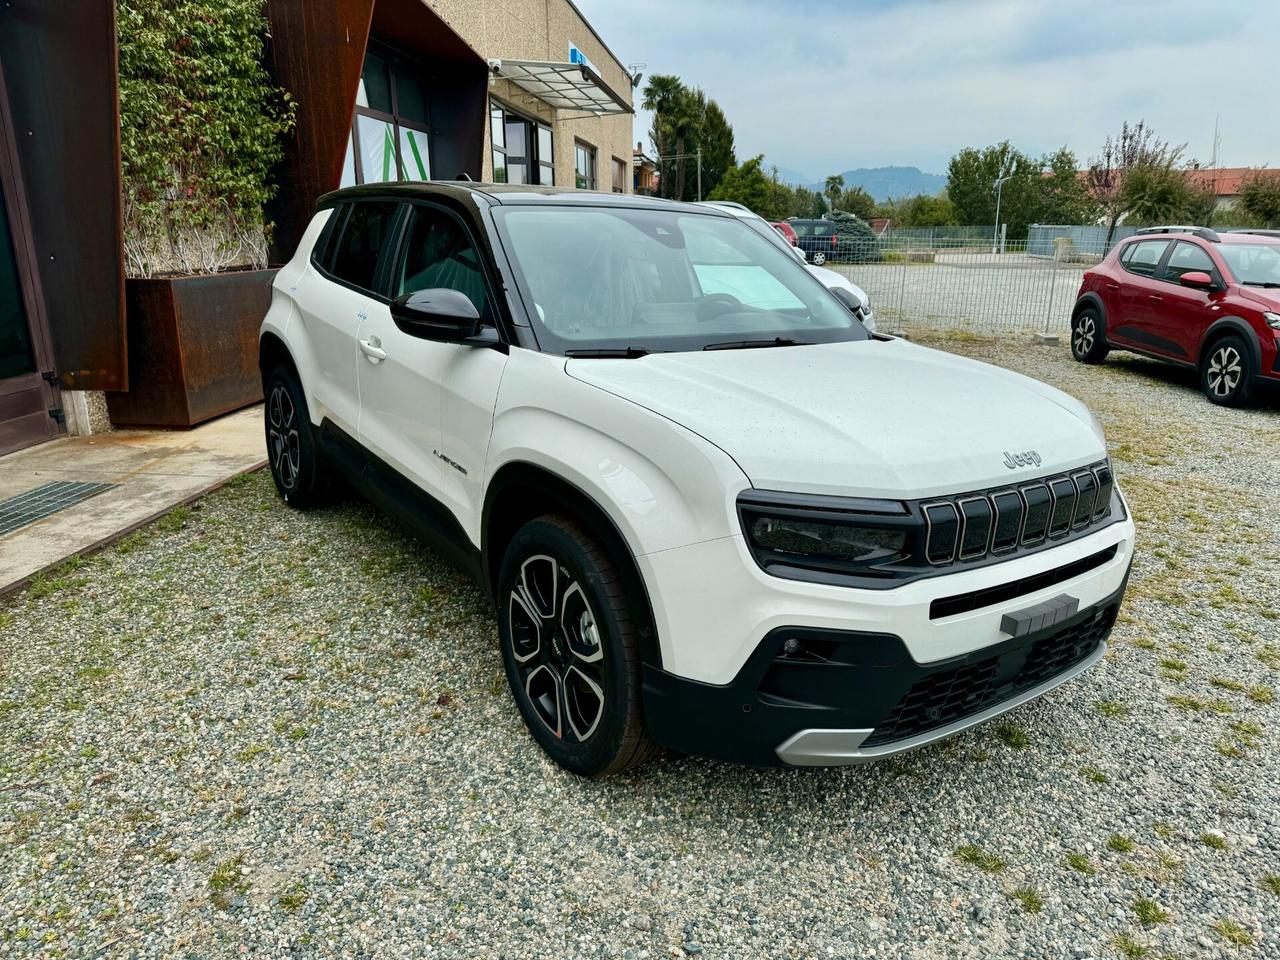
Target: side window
x,y
1126,252
355,257
1145,257
1187,258
322,252
438,253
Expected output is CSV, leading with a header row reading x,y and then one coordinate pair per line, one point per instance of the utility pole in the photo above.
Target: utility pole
x,y
699,174
995,239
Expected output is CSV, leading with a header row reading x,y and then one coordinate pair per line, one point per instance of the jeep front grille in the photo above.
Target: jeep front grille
x,y
989,523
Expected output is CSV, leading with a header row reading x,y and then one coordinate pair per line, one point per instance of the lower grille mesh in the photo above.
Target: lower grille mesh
x,y
944,697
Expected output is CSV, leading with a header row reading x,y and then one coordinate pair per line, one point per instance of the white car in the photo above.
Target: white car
x,y
740,528
830,279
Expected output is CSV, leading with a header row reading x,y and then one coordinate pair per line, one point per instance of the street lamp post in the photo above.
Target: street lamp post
x,y
995,239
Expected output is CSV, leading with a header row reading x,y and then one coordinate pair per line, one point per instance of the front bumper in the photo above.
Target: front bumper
x,y
867,698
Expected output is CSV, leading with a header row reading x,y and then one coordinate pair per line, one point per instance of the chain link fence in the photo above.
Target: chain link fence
x,y
969,283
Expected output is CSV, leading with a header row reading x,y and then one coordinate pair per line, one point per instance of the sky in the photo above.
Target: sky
x,y
824,86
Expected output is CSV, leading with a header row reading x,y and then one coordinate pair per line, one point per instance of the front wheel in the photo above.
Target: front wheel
x,y
570,649
1087,344
1225,376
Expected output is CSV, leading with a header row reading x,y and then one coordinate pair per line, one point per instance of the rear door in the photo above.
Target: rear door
x,y
1139,294
1185,313
332,310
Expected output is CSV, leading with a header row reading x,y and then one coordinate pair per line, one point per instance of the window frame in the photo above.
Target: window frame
x,y
1162,274
1156,267
533,159
393,59
390,240
590,152
619,175
399,249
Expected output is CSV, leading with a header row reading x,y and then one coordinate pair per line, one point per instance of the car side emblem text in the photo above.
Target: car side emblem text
x,y
1027,458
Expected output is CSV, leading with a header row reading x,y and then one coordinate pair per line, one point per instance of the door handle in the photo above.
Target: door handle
x,y
372,348
1113,286
1154,296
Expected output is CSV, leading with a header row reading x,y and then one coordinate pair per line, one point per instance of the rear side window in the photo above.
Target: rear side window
x,y
1144,257
1187,258
356,251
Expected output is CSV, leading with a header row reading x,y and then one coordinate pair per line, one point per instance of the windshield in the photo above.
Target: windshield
x,y
637,280
1252,263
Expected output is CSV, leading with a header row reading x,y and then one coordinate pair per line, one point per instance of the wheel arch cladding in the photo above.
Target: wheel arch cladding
x,y
520,492
272,353
1091,300
1225,326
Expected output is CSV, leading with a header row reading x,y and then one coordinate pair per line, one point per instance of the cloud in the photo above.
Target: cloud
x,y
824,86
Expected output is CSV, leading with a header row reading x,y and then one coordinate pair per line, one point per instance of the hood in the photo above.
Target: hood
x,y
867,418
1266,297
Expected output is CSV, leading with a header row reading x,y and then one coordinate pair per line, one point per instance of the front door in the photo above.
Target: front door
x,y
28,400
1188,311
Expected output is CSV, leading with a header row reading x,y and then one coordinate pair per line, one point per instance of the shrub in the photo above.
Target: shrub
x,y
200,132
857,242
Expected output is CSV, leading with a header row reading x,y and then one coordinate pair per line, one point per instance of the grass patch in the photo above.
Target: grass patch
x,y
1012,735
1261,694
1223,683
292,899
1031,901
1113,708
1271,883
174,520
1119,843
226,875
1130,947
1080,863
251,751
1149,912
1192,704
977,857
1215,840
1233,933
1093,774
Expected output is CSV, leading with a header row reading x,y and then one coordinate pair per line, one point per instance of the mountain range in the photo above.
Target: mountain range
x,y
882,183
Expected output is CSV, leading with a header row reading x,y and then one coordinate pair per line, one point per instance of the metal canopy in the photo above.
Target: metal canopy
x,y
565,86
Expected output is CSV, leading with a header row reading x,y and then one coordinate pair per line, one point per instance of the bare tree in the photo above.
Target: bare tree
x,y
1136,146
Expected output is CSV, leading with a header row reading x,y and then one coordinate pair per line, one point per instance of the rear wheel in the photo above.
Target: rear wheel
x,y
295,462
1225,376
570,649
818,258
1087,344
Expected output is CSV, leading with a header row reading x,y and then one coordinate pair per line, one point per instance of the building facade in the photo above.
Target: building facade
x,y
508,90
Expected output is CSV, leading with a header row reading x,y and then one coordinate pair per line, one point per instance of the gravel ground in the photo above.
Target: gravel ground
x,y
250,731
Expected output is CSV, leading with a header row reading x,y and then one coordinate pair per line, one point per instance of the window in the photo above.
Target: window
x,y
389,133
523,149
584,165
1145,256
619,176
356,252
1255,264
1187,258
438,253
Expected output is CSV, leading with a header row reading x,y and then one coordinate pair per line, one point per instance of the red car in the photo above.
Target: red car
x,y
1192,297
786,230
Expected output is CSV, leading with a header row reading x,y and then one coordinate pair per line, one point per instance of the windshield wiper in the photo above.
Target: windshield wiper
x,y
754,344
1261,283
597,353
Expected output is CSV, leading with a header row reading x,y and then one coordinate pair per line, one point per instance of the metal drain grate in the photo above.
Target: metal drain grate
x,y
39,502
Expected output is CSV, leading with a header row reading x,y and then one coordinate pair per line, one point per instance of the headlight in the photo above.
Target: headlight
x,y
831,534
1273,320
805,539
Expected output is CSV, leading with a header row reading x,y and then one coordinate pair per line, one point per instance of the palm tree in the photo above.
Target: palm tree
x,y
677,115
835,184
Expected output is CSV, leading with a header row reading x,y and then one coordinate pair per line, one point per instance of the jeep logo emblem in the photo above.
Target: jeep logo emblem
x,y
1028,458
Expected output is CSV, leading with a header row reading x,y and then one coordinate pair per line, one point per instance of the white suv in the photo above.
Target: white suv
x,y
714,513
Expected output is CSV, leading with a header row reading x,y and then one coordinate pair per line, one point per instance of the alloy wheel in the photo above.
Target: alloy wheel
x,y
557,647
1086,332
282,437
1225,371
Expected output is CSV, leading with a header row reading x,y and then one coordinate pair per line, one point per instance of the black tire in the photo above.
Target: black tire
x,y
579,693
296,464
1226,374
1088,345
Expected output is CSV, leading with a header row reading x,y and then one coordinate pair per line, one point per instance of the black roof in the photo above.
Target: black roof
x,y
510,194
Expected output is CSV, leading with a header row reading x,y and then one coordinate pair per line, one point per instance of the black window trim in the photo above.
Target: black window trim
x,y
1159,264
594,155
533,160
1214,273
391,56
397,239
343,208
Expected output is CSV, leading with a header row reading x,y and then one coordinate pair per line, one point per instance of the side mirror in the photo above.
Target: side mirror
x,y
436,314
848,299
1197,279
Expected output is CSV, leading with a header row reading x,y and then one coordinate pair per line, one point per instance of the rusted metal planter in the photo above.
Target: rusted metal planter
x,y
193,347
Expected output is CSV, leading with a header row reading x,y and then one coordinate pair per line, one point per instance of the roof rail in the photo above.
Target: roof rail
x,y
1204,233
1256,231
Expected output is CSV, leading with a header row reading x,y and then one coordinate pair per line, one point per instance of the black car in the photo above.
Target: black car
x,y
817,238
